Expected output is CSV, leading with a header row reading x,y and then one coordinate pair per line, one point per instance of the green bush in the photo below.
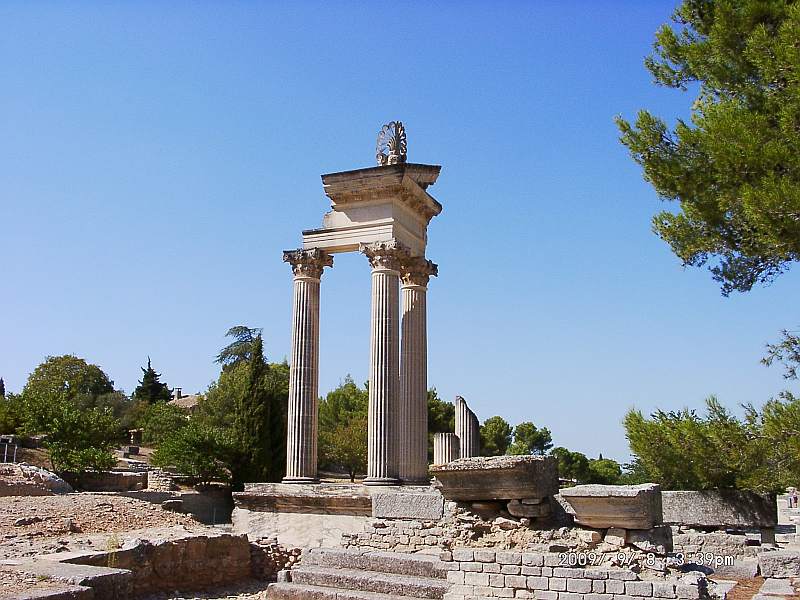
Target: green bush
x,y
159,421
203,453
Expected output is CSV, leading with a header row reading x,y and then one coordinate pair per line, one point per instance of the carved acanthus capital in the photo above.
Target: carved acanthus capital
x,y
385,255
308,262
418,270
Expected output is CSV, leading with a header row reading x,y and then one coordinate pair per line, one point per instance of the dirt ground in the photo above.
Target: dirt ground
x,y
32,525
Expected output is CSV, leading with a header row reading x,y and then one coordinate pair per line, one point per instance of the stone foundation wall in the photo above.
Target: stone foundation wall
x,y
717,543
485,573
399,536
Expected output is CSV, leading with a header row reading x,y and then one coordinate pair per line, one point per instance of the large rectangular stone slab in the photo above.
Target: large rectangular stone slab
x,y
623,506
780,564
719,509
498,478
401,505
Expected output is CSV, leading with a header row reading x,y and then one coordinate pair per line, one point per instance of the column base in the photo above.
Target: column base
x,y
381,481
300,480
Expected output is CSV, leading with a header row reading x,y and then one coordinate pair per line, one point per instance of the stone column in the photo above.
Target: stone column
x,y
445,448
412,425
301,427
468,429
384,362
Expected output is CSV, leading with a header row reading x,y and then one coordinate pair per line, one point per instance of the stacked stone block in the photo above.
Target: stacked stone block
x,y
398,536
487,573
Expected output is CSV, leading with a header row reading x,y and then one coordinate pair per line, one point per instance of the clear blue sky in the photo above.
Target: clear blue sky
x,y
156,158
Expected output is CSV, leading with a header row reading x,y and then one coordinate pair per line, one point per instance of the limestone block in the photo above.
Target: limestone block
x,y
520,509
623,506
779,564
400,505
498,478
717,509
589,536
657,540
615,537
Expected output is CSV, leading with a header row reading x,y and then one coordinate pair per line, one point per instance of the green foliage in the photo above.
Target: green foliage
x,y
241,348
682,450
68,377
259,426
199,451
161,420
217,406
735,169
441,418
77,439
495,436
528,439
150,388
779,423
571,465
603,470
343,428
10,413
786,352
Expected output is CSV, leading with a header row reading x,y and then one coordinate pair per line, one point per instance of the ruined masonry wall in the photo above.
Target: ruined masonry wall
x,y
399,536
482,573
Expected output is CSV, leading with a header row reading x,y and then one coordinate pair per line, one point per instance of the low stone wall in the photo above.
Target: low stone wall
x,y
485,573
192,562
107,481
398,536
210,507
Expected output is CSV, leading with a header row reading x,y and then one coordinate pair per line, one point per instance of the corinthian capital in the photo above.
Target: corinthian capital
x,y
418,270
385,255
308,262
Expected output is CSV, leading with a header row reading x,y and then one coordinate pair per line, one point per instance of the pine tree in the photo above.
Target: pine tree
x,y
150,388
2,388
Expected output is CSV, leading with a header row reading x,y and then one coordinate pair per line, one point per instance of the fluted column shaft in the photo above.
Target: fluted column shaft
x,y
301,440
412,421
467,429
384,381
445,448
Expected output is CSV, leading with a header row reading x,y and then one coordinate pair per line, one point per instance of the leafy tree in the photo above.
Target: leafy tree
x,y
77,439
217,406
10,413
441,418
150,388
160,421
735,169
495,436
199,451
241,347
571,465
603,470
528,439
68,377
779,423
343,428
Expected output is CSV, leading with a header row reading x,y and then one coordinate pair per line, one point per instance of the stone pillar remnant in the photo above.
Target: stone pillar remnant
x,y
301,438
445,448
384,364
412,423
468,429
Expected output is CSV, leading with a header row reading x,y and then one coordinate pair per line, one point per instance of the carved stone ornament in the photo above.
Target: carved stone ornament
x,y
418,271
385,255
391,148
308,262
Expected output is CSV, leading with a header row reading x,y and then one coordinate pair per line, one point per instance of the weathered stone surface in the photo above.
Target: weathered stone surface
x,y
22,479
325,499
657,540
780,564
520,509
718,509
498,478
297,529
615,537
399,505
624,506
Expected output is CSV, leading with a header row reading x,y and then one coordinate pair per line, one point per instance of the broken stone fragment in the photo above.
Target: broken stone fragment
x,y
589,536
657,540
519,509
615,537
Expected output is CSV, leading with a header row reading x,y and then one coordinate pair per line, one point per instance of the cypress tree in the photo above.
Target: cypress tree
x,y
251,420
150,388
2,388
